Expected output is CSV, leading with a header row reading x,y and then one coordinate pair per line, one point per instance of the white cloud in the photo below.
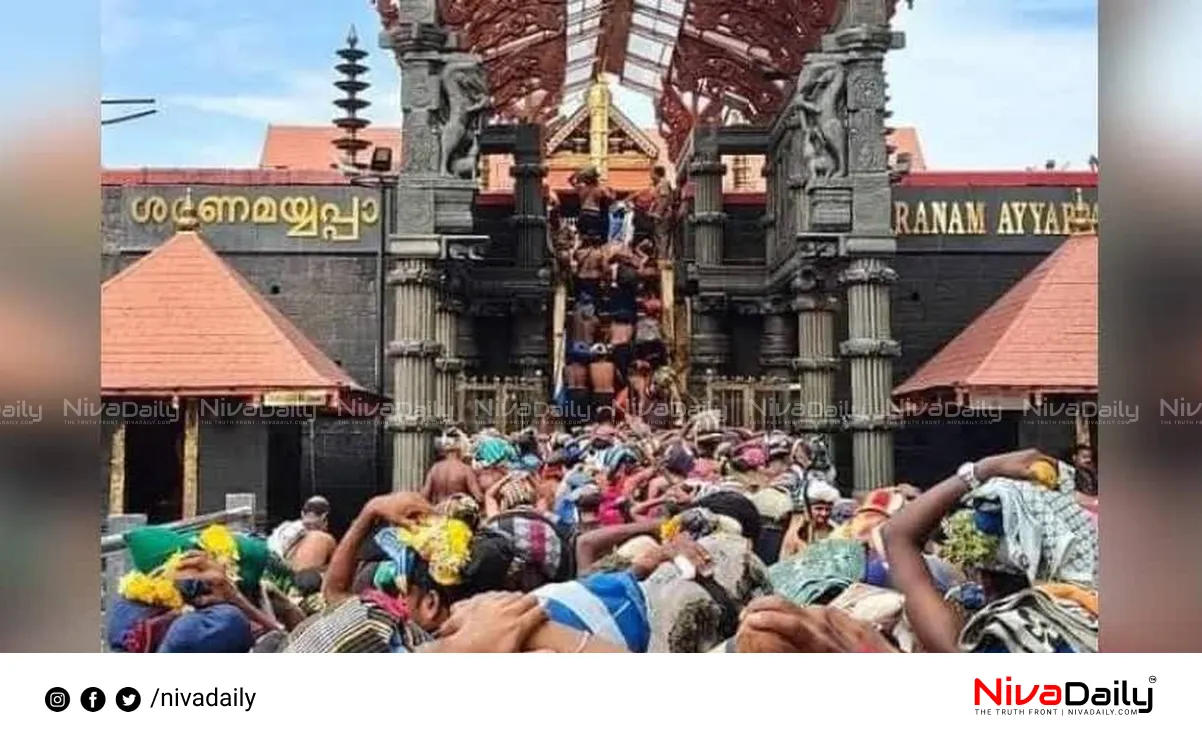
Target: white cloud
x,y
989,94
305,98
119,26
122,29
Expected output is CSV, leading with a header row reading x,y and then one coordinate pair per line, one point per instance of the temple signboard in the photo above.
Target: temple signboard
x,y
263,217
1006,218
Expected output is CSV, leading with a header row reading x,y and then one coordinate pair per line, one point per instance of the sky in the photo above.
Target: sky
x,y
989,84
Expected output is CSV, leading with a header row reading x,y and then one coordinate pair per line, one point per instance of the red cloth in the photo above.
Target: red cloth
x,y
622,404
644,200
395,607
704,469
609,513
146,635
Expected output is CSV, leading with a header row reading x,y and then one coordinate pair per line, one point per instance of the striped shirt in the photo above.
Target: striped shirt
x,y
611,606
354,626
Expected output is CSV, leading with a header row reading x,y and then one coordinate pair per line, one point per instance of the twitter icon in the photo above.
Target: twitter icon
x,y
128,699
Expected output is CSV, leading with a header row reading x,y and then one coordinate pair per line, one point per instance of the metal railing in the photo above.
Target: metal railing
x,y
508,404
115,561
752,402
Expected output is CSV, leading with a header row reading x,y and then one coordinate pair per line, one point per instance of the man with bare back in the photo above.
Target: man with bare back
x,y
451,474
592,221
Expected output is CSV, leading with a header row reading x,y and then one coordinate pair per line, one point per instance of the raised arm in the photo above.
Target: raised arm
x,y
595,544
397,509
906,535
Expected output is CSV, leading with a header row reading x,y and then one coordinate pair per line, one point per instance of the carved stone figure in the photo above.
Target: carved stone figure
x,y
465,101
821,97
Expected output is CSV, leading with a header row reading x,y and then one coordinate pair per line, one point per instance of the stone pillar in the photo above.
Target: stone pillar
x,y
846,202
531,336
870,349
444,101
530,210
778,347
449,365
710,346
414,422
863,40
778,350
771,249
816,363
709,220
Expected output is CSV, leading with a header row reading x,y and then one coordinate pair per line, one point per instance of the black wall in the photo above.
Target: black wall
x,y
327,288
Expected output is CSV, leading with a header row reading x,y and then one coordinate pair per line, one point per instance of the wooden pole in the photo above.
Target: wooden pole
x,y
1082,424
684,349
117,471
559,347
191,473
667,290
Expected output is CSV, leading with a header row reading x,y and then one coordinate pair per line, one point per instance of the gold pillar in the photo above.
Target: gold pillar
x,y
599,99
117,471
191,474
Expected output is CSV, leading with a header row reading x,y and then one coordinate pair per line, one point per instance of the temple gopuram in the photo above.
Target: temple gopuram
x,y
824,276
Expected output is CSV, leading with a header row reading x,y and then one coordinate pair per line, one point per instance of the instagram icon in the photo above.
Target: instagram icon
x,y
57,699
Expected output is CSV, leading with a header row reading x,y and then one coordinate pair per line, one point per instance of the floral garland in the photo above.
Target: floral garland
x,y
445,545
964,545
158,588
669,529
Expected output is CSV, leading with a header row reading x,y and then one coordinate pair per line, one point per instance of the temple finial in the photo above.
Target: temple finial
x,y
187,220
1081,222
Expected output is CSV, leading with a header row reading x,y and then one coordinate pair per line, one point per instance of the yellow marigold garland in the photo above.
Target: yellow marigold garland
x,y
218,542
669,529
158,588
445,545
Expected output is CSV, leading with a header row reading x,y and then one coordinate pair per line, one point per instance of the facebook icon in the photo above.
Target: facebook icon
x,y
92,699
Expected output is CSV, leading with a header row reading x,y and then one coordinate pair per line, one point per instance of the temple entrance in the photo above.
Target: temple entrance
x,y
635,218
154,469
284,497
608,338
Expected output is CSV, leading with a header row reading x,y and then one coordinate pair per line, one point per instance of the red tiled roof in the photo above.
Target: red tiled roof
x,y
1041,336
312,148
303,156
905,141
181,321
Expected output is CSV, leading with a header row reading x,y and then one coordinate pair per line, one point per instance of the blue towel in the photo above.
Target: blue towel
x,y
611,606
617,223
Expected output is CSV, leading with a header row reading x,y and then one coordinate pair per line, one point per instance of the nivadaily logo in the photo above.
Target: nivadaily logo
x,y
1071,697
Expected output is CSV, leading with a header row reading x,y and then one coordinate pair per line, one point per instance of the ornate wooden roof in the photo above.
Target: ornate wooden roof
x,y
622,130
698,59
